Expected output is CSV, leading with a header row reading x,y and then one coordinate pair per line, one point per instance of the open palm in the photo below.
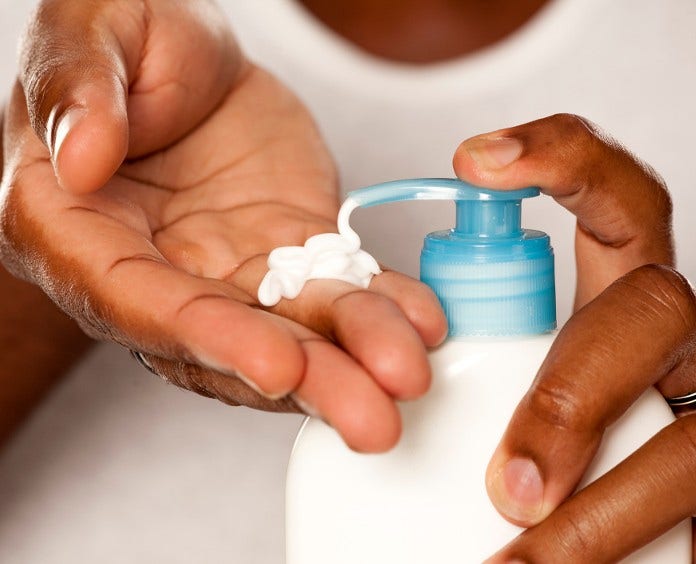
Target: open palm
x,y
222,165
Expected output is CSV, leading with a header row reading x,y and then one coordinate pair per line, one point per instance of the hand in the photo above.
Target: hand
x,y
559,424
150,168
623,208
592,373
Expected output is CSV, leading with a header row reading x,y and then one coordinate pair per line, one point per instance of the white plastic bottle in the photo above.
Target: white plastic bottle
x,y
425,501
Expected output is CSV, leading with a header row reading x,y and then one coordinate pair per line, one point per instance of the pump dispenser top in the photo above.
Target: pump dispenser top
x,y
492,277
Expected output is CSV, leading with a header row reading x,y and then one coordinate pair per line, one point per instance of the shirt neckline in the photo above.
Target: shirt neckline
x,y
499,65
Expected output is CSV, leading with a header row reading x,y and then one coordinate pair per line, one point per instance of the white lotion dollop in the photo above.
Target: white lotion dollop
x,y
336,256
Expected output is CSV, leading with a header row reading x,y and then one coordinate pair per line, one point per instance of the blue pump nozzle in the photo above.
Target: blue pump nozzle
x,y
491,276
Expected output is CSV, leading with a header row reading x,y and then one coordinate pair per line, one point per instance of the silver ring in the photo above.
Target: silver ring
x,y
142,361
687,400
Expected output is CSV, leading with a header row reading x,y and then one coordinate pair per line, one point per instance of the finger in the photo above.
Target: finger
x,y
622,206
374,331
386,329
334,388
418,302
76,93
599,524
222,240
204,381
178,316
338,390
590,377
86,74
161,309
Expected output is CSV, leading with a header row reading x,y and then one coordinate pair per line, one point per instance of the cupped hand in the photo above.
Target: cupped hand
x,y
149,170
626,336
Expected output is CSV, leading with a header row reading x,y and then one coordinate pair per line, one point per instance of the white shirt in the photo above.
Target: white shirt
x,y
119,467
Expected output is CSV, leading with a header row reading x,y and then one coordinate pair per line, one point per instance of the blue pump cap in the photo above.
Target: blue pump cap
x,y
491,276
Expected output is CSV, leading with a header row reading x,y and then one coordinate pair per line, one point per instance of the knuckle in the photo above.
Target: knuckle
x,y
357,300
178,373
419,301
578,537
53,61
189,376
569,122
95,317
91,322
558,402
186,374
589,145
574,128
669,293
583,144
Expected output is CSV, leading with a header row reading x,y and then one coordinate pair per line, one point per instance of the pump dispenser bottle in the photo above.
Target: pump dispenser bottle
x,y
426,501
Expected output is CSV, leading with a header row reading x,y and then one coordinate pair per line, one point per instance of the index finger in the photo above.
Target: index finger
x,y
622,206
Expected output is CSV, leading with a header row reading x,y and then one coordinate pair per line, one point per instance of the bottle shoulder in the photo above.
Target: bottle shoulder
x,y
507,356
503,341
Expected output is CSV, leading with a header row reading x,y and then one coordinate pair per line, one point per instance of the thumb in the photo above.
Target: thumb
x,y
74,70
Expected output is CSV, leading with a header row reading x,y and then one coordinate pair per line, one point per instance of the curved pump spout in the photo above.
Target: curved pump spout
x,y
492,277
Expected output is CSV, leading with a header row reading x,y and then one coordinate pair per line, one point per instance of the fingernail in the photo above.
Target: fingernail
x,y
65,125
495,153
517,490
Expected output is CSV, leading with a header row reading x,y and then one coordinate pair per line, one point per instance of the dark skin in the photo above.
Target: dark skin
x,y
423,31
31,366
180,290
390,29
